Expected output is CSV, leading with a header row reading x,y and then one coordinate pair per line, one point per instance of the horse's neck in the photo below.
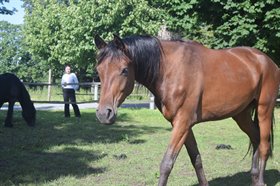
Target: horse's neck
x,y
24,99
25,103
150,82
152,87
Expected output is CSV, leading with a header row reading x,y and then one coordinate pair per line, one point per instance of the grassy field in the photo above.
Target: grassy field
x,y
64,152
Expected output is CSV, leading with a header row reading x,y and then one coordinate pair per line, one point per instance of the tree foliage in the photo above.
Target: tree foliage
x,y
14,56
223,23
61,32
4,10
9,46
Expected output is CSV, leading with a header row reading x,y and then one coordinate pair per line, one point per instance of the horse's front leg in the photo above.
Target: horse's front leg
x,y
178,137
9,117
1,104
195,157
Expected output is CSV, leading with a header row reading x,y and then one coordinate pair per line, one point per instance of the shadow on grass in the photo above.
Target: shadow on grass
x,y
272,177
26,167
27,155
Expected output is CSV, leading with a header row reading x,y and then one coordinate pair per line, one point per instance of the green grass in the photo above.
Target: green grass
x,y
63,152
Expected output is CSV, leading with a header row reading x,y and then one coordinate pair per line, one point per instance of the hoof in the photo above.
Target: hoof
x,y
8,125
31,124
258,184
203,184
255,177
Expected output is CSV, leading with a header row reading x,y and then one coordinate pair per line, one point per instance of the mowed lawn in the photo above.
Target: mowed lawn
x,y
64,152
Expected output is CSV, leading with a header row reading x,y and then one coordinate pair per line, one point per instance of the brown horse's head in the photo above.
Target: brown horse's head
x,y
116,72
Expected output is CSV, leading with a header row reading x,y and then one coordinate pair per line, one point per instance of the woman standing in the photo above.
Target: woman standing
x,y
69,83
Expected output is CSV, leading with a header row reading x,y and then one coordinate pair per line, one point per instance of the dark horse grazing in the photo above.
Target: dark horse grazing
x,y
11,91
192,84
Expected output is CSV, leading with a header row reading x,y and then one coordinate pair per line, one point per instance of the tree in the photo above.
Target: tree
x,y
41,32
4,10
9,45
14,56
61,32
221,23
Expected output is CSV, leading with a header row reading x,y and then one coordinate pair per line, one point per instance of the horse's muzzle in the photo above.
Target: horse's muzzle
x,y
106,115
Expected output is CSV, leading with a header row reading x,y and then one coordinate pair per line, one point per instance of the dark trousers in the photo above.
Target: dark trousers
x,y
69,95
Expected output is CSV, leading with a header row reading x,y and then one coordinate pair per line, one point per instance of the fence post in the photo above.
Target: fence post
x,y
152,101
49,86
95,91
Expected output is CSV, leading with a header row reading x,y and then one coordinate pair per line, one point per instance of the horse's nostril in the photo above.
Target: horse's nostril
x,y
109,112
106,115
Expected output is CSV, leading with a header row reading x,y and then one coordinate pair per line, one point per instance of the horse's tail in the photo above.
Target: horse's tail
x,y
254,114
272,135
256,123
273,119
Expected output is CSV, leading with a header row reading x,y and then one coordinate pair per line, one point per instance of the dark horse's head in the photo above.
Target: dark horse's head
x,y
29,114
120,63
28,109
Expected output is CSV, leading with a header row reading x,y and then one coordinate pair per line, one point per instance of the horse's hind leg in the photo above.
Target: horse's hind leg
x,y
195,157
246,124
9,117
265,116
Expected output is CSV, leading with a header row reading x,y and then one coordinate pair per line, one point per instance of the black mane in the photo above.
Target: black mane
x,y
144,51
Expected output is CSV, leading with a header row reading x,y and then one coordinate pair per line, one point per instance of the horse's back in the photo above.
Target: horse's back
x,y
8,77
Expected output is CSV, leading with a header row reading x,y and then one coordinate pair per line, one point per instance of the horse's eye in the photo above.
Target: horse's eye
x,y
124,72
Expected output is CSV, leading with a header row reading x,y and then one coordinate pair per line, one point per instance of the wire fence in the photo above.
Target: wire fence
x,y
89,92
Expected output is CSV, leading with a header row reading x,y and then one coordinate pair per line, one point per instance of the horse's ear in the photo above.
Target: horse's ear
x,y
99,42
119,43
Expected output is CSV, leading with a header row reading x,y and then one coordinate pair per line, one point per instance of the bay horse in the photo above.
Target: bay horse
x,y
192,84
11,91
